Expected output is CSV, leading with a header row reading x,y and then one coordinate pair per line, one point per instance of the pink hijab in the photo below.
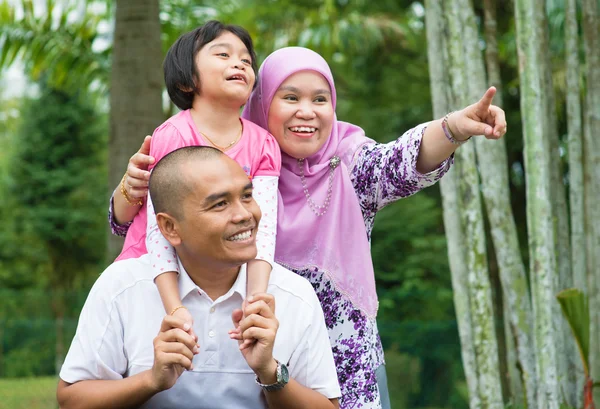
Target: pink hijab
x,y
336,242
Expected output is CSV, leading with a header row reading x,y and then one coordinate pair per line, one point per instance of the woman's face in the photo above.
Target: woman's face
x,y
301,114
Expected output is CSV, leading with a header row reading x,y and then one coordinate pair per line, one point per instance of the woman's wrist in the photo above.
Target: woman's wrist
x,y
451,129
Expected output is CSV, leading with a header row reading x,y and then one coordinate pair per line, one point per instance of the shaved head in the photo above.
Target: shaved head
x,y
169,186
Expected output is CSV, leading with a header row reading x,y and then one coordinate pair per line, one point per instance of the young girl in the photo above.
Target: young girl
x,y
209,73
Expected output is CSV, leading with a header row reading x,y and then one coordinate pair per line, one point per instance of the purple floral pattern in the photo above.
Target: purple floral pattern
x,y
355,343
384,173
116,229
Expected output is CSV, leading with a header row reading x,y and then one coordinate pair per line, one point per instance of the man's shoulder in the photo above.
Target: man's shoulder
x,y
122,275
286,283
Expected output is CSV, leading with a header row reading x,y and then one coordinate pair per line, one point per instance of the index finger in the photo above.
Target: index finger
x,y
486,100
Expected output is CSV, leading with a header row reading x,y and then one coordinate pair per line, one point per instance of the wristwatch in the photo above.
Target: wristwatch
x,y
283,377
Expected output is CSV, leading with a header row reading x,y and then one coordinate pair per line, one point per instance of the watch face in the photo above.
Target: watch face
x,y
285,376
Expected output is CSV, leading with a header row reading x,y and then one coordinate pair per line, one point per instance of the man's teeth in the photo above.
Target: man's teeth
x,y
303,129
237,77
241,236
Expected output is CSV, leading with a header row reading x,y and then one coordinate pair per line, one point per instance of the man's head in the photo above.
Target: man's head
x,y
204,207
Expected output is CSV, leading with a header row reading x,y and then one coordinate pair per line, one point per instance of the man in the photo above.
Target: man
x,y
204,207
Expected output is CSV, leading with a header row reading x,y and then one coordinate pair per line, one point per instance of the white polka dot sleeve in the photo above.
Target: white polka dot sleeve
x,y
265,194
162,254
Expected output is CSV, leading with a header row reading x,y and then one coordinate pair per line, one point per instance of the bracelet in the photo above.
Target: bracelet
x,y
129,201
177,308
448,132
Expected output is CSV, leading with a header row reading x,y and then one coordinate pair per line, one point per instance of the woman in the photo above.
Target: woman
x,y
333,181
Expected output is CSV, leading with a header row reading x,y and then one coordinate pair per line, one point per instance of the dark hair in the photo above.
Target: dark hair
x,y
181,76
168,187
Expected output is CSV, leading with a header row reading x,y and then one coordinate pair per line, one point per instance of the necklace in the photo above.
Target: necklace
x,y
222,148
319,210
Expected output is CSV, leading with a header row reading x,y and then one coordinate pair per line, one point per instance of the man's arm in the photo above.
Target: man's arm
x,y
294,395
261,325
118,394
174,349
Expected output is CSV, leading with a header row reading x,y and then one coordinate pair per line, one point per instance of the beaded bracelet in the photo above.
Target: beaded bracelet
x,y
448,132
129,201
177,308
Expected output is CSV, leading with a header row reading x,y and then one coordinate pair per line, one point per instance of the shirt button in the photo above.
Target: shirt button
x,y
212,309
211,333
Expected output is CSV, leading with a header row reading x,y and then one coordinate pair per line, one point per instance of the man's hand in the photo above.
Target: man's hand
x,y
259,325
174,349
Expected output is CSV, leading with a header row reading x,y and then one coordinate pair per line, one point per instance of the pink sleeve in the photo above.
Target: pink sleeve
x,y
270,159
165,139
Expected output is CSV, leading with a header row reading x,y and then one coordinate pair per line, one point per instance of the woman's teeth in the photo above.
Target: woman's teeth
x,y
304,129
241,236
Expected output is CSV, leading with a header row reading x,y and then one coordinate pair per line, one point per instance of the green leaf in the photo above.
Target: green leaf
x,y
574,305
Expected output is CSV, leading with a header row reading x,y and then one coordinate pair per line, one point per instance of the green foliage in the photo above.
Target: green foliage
x,y
58,180
55,40
574,305
416,313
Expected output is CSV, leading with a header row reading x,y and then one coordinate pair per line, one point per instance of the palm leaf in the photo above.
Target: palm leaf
x,y
54,43
574,305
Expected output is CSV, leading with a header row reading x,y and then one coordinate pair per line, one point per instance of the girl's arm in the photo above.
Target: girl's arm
x,y
164,262
165,266
259,270
129,195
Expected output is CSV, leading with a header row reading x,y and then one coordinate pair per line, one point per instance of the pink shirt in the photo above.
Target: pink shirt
x,y
256,151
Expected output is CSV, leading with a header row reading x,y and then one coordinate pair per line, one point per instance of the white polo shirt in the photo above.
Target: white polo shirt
x,y
122,316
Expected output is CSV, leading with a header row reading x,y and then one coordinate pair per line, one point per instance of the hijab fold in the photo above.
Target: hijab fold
x,y
335,243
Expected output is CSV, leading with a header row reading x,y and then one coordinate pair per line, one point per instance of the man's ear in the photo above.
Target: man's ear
x,y
169,227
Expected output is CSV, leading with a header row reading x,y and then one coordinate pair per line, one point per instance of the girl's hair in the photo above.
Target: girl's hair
x,y
181,75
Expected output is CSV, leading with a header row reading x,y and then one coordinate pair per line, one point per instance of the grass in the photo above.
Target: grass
x,y
28,393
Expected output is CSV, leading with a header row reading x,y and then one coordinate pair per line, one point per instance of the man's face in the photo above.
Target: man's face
x,y
219,217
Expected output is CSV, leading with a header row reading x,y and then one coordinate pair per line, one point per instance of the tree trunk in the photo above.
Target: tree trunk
x,y
576,180
530,24
484,336
436,48
473,292
136,86
496,193
591,37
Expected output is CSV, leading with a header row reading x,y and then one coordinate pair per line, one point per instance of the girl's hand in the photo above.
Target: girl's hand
x,y
137,176
184,315
480,118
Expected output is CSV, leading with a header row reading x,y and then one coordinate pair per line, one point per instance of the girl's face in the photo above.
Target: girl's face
x,y
301,114
224,67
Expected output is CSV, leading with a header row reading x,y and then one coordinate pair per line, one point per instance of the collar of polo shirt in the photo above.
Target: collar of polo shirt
x,y
186,285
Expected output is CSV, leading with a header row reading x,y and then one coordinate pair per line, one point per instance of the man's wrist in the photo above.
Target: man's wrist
x,y
149,383
268,375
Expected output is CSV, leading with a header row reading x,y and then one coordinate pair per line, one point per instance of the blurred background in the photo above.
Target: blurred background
x,y
72,112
